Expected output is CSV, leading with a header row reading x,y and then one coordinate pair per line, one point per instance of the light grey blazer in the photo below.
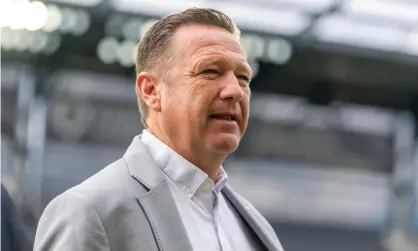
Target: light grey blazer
x,y
128,207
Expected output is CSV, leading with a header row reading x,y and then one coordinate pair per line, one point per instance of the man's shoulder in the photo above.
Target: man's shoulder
x,y
113,184
101,211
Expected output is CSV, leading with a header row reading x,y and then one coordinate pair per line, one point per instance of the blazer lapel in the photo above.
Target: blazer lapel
x,y
253,219
158,204
161,211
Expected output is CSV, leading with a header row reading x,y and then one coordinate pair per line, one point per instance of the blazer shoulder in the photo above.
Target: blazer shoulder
x,y
103,209
70,222
109,187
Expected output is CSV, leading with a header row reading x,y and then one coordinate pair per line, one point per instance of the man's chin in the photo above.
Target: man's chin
x,y
224,143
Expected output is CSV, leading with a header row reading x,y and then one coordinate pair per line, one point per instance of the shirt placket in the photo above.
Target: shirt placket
x,y
215,219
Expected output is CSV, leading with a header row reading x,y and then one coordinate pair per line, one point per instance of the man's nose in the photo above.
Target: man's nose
x,y
232,89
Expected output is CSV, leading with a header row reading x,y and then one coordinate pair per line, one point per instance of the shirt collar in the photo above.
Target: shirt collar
x,y
183,173
222,181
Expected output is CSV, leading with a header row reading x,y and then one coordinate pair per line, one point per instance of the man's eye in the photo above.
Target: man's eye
x,y
209,71
244,78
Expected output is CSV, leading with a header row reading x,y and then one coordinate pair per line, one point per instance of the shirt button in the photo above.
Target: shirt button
x,y
188,190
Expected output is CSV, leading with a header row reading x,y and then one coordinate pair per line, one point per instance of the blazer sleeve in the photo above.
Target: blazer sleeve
x,y
69,223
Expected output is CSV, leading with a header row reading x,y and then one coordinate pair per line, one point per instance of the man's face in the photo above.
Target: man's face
x,y
205,106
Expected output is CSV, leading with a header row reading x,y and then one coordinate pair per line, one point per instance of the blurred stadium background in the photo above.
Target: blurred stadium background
x,y
330,155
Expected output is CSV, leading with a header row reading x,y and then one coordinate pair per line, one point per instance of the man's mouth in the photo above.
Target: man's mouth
x,y
225,117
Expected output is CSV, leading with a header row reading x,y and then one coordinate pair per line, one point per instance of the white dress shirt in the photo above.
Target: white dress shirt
x,y
210,221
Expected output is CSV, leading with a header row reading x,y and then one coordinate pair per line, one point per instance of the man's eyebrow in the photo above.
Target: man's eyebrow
x,y
221,60
245,66
211,61
208,61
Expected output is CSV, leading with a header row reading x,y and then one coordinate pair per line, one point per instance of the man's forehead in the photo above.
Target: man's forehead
x,y
191,40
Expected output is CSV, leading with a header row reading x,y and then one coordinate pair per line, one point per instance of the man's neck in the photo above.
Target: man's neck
x,y
210,163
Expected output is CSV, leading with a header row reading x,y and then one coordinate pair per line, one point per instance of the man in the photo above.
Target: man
x,y
169,191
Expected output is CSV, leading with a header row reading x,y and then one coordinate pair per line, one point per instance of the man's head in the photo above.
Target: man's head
x,y
193,83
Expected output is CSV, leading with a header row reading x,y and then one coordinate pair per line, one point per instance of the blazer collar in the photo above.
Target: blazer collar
x,y
135,156
158,204
254,219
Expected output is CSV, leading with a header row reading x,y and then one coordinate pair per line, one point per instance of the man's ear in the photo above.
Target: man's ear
x,y
146,88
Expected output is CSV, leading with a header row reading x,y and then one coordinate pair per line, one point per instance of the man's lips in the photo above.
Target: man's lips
x,y
224,116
